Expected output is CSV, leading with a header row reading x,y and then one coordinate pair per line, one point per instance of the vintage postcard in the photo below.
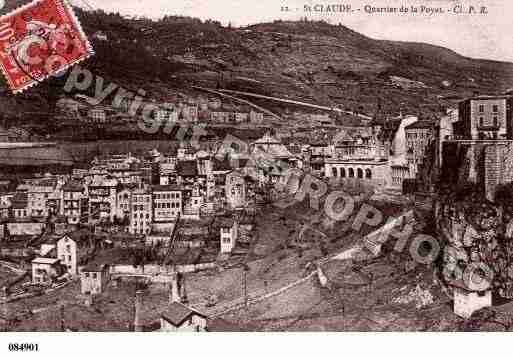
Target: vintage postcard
x,y
270,166
39,40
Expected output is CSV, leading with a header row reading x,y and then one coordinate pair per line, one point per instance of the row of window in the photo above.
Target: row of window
x,y
487,135
397,180
420,135
495,108
140,207
166,195
495,121
351,173
142,199
141,230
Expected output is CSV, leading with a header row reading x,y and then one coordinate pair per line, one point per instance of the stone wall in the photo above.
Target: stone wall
x,y
498,167
492,176
488,164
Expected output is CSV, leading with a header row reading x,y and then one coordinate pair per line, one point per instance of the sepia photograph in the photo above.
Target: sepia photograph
x,y
233,166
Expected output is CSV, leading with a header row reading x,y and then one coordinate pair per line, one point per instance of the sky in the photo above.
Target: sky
x,y
487,36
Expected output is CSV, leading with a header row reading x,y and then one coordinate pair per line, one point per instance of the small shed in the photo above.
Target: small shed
x,y
179,317
94,278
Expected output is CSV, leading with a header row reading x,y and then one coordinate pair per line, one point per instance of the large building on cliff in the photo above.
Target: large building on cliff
x,y
485,118
481,148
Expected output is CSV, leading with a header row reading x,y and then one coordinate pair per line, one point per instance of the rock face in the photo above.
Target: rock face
x,y
488,165
421,297
477,238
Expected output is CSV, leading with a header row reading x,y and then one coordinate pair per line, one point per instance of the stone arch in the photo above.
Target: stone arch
x,y
368,173
359,172
334,172
342,172
351,172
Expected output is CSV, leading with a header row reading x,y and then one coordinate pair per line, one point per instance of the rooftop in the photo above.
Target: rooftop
x,y
41,260
421,124
177,313
223,165
490,97
165,188
225,221
187,168
72,186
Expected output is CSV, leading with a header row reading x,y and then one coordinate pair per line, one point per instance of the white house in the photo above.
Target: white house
x,y
44,270
67,253
179,317
235,190
229,231
70,248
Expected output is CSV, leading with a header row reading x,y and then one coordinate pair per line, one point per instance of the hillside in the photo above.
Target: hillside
x,y
310,61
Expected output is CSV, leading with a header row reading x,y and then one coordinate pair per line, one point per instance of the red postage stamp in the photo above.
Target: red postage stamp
x,y
39,40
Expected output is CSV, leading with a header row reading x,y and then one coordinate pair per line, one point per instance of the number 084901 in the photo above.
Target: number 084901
x,y
23,347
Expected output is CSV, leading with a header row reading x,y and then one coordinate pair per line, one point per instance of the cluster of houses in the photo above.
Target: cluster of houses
x,y
190,110
148,195
145,197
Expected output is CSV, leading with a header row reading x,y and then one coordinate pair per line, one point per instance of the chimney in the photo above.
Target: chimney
x,y
138,307
174,290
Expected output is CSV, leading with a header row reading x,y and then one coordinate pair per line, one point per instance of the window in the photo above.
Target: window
x,y
69,258
481,108
86,275
481,122
95,275
495,108
495,121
